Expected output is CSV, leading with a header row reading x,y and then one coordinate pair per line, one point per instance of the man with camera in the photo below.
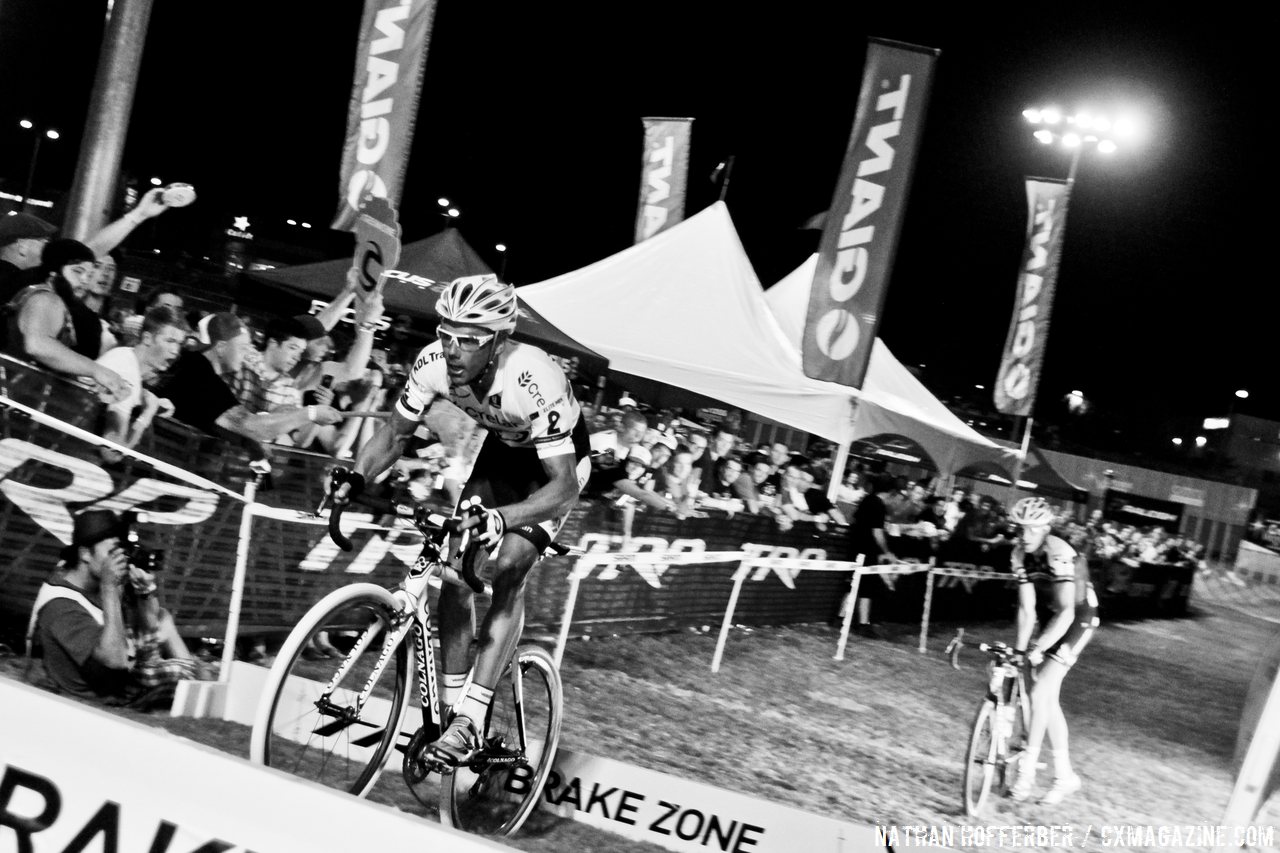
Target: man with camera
x,y
98,621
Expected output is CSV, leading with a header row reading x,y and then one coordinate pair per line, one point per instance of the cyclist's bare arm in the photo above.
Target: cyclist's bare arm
x,y
552,500
1026,615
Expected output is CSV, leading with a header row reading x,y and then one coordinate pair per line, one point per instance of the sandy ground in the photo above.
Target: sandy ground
x,y
878,738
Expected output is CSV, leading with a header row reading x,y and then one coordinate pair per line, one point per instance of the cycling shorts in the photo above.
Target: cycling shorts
x,y
1067,650
505,475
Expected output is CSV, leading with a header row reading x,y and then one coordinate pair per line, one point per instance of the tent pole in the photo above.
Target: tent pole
x,y
837,468
1022,459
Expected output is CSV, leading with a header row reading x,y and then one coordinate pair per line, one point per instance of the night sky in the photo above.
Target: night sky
x,y
530,123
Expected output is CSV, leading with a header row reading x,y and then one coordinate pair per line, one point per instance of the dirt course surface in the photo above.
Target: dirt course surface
x,y
878,738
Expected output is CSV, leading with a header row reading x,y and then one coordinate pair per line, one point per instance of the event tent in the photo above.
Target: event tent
x,y
685,308
895,401
412,288
1038,477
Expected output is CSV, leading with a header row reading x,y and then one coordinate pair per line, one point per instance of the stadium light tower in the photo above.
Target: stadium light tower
x,y
49,133
1077,133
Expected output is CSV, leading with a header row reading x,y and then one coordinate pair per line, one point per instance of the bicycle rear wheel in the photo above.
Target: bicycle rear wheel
x,y
323,738
496,793
980,759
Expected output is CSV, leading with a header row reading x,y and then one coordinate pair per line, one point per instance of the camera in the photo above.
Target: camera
x,y
149,560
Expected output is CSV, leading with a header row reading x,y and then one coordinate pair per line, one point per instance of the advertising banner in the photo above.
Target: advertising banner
x,y
664,172
860,235
1019,376
390,58
1142,511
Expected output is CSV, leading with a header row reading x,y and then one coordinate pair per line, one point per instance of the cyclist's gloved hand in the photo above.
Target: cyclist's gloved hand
x,y
1035,657
345,486
489,525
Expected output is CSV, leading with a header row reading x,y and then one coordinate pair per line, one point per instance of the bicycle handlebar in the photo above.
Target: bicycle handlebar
x,y
433,526
1000,652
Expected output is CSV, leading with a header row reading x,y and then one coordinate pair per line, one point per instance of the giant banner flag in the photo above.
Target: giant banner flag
x,y
664,172
1019,375
855,254
390,59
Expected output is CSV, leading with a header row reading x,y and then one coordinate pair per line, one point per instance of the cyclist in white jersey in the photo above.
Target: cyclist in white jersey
x,y
532,466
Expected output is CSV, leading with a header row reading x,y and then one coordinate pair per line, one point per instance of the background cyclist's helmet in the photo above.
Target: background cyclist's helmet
x,y
479,300
1033,512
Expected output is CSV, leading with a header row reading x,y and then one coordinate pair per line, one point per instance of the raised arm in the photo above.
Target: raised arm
x,y
114,233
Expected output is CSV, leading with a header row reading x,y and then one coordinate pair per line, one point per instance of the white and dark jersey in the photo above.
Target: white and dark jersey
x,y
528,405
1052,563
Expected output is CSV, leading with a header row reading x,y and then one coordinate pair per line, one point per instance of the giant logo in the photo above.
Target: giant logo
x,y
1018,380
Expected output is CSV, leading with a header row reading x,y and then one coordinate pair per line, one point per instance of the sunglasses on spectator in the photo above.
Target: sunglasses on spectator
x,y
466,343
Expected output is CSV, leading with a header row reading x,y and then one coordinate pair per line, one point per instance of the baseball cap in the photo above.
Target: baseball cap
x,y
626,401
19,226
640,454
311,325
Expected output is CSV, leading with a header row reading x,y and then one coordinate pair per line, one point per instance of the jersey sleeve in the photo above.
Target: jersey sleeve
x,y
425,383
546,397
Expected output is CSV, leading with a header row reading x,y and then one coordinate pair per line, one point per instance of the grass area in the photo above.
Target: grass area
x,y
878,738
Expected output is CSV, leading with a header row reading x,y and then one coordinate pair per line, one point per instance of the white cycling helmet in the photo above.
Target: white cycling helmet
x,y
1033,512
479,300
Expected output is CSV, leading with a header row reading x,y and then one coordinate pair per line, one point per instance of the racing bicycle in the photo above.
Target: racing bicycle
x,y
998,739
334,704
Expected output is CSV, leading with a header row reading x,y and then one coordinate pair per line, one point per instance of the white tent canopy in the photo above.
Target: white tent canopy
x,y
894,401
685,308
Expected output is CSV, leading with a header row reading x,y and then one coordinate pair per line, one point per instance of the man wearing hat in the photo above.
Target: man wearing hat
x,y
98,621
47,324
22,239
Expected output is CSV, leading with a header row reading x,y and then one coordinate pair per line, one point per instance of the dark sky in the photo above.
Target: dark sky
x,y
530,122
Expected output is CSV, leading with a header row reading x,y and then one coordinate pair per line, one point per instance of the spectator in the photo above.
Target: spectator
x,y
747,486
163,333
867,538
673,480
129,327
22,240
723,441
99,622
726,473
850,492
203,399
660,454
955,508
47,324
779,455
612,449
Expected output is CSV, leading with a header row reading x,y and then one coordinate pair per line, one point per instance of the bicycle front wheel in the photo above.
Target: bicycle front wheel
x,y
497,792
980,759
323,715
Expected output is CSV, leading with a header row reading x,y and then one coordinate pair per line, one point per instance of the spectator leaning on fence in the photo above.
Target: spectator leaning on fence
x,y
98,623
47,324
202,399
125,422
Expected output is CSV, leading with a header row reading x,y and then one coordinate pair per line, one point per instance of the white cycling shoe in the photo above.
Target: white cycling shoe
x,y
1061,789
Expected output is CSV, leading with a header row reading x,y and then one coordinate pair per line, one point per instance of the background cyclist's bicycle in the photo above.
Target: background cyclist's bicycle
x,y
998,738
